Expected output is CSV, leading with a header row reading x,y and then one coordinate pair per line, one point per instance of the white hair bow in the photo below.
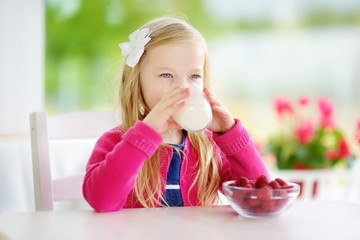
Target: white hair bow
x,y
135,48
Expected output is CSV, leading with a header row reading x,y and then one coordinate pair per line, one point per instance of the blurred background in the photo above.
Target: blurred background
x,y
61,56
258,49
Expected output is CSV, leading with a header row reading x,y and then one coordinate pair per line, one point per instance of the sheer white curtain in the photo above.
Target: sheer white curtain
x,y
21,92
21,63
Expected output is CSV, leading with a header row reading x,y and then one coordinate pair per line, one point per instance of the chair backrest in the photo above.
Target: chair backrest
x,y
77,125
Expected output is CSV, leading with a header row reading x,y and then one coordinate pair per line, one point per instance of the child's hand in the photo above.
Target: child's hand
x,y
222,120
159,118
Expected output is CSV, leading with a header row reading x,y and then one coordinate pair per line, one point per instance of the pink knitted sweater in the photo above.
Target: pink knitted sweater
x,y
118,157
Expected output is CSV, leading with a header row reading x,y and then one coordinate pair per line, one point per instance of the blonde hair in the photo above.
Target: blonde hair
x,y
147,187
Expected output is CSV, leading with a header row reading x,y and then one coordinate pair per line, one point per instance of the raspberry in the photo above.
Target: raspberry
x,y
281,199
279,204
264,193
248,185
254,202
252,183
242,181
274,185
264,185
258,210
249,189
280,182
268,205
245,205
238,198
280,194
286,186
238,195
260,181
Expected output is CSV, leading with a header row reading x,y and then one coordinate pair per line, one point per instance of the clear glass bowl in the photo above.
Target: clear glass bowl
x,y
254,202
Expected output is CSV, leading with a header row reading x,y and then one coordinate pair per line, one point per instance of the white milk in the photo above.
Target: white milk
x,y
196,115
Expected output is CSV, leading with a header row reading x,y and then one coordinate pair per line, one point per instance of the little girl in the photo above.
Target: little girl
x,y
149,160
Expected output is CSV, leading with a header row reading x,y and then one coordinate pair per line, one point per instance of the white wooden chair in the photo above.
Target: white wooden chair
x,y
77,125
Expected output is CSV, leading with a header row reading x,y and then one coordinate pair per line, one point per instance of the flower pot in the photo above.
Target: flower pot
x,y
311,181
314,188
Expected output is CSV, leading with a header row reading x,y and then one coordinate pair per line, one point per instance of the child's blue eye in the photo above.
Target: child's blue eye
x,y
195,76
166,75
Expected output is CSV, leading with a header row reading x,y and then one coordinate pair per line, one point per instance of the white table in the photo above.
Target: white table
x,y
305,220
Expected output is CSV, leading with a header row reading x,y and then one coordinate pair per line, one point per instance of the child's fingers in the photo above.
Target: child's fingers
x,y
170,102
175,107
218,110
176,96
211,97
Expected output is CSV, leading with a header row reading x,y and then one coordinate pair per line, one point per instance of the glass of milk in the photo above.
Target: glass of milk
x,y
196,115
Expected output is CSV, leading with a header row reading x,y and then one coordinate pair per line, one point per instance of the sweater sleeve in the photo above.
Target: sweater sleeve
x,y
116,160
240,157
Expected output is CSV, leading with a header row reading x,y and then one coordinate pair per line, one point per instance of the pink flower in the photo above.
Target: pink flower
x,y
304,132
326,110
283,106
331,154
304,101
343,149
357,137
325,106
357,132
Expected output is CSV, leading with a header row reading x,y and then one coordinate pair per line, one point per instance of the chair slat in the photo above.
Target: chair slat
x,y
68,126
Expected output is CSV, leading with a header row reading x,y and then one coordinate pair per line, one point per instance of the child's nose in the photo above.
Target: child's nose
x,y
184,82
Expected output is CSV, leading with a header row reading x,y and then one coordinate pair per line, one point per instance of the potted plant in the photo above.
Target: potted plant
x,y
307,143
